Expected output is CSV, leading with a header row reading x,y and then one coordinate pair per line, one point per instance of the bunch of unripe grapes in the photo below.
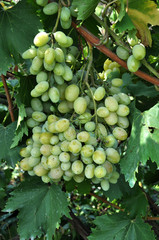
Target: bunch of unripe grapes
x,y
138,53
66,13
76,127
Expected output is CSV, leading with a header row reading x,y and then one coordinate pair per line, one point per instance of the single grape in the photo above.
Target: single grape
x,y
30,53
90,126
99,93
39,116
111,104
24,153
123,122
108,166
59,55
112,155
117,82
60,37
53,161
122,53
123,99
49,67
36,104
63,107
56,150
68,75
133,64
100,172
41,50
71,92
46,149
65,146
139,51
86,160
54,140
120,134
37,64
87,150
50,8
64,157
59,79
83,136
65,166
54,94
123,110
55,173
101,131
70,134
45,137
109,141
36,138
102,112
31,123
112,119
24,164
39,170
79,178
62,125
35,152
75,146
49,55
80,105
41,76
33,161
99,156
77,167
89,171
105,185
65,14
42,87
41,39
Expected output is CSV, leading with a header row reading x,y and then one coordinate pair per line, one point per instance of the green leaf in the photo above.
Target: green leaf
x,y
121,227
2,195
83,187
85,9
18,25
125,24
40,208
6,136
19,133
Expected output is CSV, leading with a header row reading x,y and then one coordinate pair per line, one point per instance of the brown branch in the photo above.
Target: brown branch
x,y
10,105
94,41
152,219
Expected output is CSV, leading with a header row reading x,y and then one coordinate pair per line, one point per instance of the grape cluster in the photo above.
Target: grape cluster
x,y
76,127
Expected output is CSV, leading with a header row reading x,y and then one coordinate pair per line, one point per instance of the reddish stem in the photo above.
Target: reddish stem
x,y
10,105
94,41
152,219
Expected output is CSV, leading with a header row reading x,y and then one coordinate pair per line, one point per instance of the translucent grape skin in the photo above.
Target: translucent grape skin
x,y
133,64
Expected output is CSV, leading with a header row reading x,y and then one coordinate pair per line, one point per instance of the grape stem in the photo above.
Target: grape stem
x,y
10,105
58,17
93,40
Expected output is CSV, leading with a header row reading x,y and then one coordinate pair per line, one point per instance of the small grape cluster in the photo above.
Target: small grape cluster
x,y
76,127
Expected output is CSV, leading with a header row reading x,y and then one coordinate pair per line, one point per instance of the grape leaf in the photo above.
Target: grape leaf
x,y
121,227
85,9
6,136
40,208
18,25
125,24
142,13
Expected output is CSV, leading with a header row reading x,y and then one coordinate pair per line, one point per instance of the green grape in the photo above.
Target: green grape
x,y
44,162
65,166
108,166
68,75
54,94
31,173
29,142
56,150
75,146
45,98
112,155
61,89
68,44
73,10
54,140
115,175
41,2
120,134
80,105
45,137
31,123
36,137
59,55
24,164
114,90
132,40
64,157
70,134
36,105
59,69
109,141
41,50
59,79
53,161
123,110
55,173
99,93
51,127
34,93
89,171
122,53
63,107
41,76
49,67
45,179
46,149
84,118
77,167
33,161
113,180
70,59
105,185
37,64
102,112
52,118
69,173
39,116
133,64
112,119
34,72
60,37
124,98
41,39
83,136
65,14
42,87
139,51
123,122
37,129
30,53
73,50
100,172
101,131
96,180
66,25
72,92
29,111
62,125
90,126
92,140
49,56
79,178
99,156
35,152
66,178
51,8
65,146
117,82
87,151
111,104
24,153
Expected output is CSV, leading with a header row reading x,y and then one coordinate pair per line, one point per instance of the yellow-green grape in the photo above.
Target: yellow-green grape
x,y
117,82
59,69
69,173
96,180
50,8
45,97
39,116
29,111
31,123
123,122
34,93
65,145
60,37
112,119
72,92
132,40
55,173
65,14
114,177
46,149
54,94
123,110
99,156
44,162
87,151
45,137
102,112
53,161
33,161
39,170
68,75
56,150
92,140
41,76
31,173
65,166
80,105
109,141
37,129
41,2
101,131
100,172
51,127
108,166
61,89
24,164
124,98
90,126
105,185
49,56
120,133
106,73
111,104
41,50
70,134
83,136
35,152
62,125
59,79
49,67
42,87
139,51
133,64
77,167
79,178
36,104
73,50
68,44
66,25
37,64
66,178
75,146
54,140
112,155
45,179
64,157
63,107
114,90
29,141
30,53
59,55
99,93
89,171
86,160
113,180
36,137
24,153
70,59
41,39
122,53
52,118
